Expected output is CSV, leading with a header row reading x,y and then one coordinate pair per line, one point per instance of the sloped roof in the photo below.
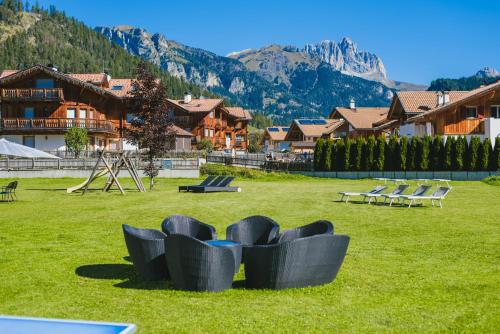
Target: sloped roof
x,y
126,86
198,105
317,130
179,131
239,112
279,132
6,73
470,95
422,101
363,118
95,78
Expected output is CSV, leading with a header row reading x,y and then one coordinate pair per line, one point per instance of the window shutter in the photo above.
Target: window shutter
x,y
463,112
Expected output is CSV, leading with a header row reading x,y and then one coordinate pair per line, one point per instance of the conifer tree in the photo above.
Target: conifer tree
x,y
449,153
402,162
357,153
368,151
328,155
495,157
339,155
390,154
425,153
473,154
459,152
484,154
414,147
318,154
347,157
379,154
436,158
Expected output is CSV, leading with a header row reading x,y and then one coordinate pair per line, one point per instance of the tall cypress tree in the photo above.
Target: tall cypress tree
x,y
333,155
459,152
402,163
347,157
328,155
473,154
379,154
414,147
356,153
495,157
368,150
484,154
318,154
437,154
449,153
425,153
390,154
340,155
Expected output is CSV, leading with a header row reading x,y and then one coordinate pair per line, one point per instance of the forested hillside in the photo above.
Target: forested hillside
x,y
465,83
33,35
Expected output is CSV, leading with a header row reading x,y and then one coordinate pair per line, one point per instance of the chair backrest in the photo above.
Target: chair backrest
x,y
316,228
180,224
422,190
217,181
441,192
207,180
400,189
12,185
194,265
254,230
226,181
298,263
147,251
377,189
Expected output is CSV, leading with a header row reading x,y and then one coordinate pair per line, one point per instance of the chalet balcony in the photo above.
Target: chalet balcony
x,y
32,94
55,125
466,126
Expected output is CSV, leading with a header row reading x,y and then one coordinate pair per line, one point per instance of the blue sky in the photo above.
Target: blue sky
x,y
417,40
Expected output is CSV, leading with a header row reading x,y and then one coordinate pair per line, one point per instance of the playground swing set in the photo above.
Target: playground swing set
x,y
113,170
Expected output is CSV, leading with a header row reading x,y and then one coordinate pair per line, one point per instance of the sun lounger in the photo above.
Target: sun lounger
x,y
420,191
222,186
347,195
400,189
438,195
205,182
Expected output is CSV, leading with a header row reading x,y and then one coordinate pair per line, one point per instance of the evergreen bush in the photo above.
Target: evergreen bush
x,y
347,157
391,154
436,158
424,153
379,154
368,150
356,154
414,147
459,152
340,154
473,154
328,166
318,155
402,152
495,157
449,151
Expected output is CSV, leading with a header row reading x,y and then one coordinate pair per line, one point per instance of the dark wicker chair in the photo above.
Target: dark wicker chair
x,y
180,224
147,251
318,227
9,192
298,263
196,266
254,230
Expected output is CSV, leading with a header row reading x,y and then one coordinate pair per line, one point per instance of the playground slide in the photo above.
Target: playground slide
x,y
81,185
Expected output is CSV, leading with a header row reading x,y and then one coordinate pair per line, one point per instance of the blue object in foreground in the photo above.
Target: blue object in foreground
x,y
21,325
222,243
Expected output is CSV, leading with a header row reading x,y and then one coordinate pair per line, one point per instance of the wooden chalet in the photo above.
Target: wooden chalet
x,y
359,122
476,112
39,104
274,138
304,133
225,127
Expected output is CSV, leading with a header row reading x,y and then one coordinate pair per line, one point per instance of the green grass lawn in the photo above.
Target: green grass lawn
x,y
413,270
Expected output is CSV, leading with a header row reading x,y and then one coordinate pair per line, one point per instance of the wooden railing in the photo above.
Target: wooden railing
x,y
21,124
33,94
465,126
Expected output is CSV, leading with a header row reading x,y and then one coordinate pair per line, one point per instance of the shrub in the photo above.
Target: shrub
x,y
414,147
205,145
318,155
424,153
328,155
484,154
495,157
402,152
459,151
436,158
347,158
340,154
333,155
379,154
255,141
473,154
390,154
76,140
356,154
368,150
449,153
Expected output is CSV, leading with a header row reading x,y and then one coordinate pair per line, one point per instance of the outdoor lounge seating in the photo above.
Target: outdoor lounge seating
x,y
9,192
147,251
222,186
180,224
420,191
438,195
316,228
197,266
347,195
205,182
296,263
399,190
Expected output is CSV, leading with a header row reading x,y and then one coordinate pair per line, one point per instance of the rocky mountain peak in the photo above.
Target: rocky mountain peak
x,y
487,72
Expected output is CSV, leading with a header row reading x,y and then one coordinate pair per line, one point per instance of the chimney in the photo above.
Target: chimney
x,y
108,76
440,99
52,67
187,98
352,104
446,97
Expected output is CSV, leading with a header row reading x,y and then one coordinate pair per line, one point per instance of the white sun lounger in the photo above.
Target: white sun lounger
x,y
400,189
421,190
347,195
438,195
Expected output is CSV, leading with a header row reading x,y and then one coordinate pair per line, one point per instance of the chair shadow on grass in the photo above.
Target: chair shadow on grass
x,y
120,271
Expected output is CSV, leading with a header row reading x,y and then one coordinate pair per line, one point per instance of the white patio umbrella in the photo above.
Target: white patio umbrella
x,y
18,150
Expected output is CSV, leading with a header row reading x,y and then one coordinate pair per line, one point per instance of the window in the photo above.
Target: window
x,y
116,87
44,83
205,132
91,114
29,141
211,115
239,138
70,113
130,117
83,113
211,133
29,112
470,112
495,111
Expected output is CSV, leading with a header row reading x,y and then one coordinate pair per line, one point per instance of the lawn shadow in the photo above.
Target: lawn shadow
x,y
138,284
240,284
45,189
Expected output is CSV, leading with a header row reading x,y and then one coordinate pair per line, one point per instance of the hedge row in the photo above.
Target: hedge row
x,y
407,154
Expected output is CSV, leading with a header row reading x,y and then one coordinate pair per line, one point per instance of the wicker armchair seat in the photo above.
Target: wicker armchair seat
x,y
180,224
318,227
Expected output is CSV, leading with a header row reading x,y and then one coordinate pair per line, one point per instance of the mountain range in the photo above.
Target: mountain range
x,y
284,82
